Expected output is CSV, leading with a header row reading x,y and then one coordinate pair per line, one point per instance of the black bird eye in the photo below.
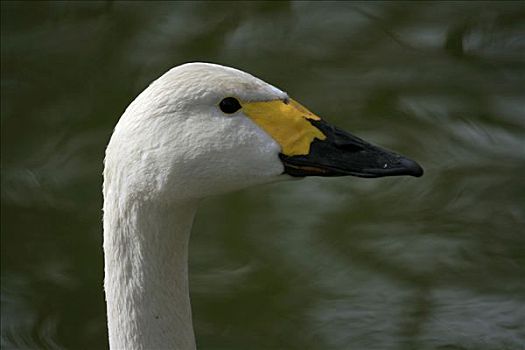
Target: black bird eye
x,y
229,105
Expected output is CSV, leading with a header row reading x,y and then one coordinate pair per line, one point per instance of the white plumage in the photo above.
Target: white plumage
x,y
172,147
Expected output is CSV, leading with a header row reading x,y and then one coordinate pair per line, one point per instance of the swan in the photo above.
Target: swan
x,y
199,130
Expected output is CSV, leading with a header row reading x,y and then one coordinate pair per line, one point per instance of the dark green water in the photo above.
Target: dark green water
x,y
398,263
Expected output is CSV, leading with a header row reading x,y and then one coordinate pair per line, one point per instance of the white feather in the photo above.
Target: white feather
x,y
172,147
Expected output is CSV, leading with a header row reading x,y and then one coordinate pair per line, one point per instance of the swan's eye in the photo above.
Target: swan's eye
x,y
229,105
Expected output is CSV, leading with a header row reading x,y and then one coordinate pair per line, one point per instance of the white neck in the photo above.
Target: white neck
x,y
146,274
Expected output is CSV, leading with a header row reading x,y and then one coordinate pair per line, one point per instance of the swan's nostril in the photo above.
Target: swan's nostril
x,y
350,147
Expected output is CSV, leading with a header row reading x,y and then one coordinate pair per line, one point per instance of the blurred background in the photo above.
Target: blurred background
x,y
436,262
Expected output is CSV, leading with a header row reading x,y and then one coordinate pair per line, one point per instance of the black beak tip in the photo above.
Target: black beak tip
x,y
412,168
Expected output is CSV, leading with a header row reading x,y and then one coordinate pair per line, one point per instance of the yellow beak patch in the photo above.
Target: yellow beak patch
x,y
287,123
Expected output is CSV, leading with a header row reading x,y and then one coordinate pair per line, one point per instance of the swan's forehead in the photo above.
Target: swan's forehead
x,y
209,82
243,86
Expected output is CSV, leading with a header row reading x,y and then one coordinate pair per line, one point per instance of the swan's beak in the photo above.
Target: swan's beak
x,y
342,153
312,147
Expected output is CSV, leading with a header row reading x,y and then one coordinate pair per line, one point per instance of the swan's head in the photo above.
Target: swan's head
x,y
203,129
